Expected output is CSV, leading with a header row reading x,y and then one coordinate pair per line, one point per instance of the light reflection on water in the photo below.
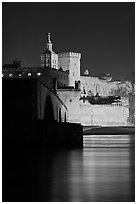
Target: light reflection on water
x,y
89,174
93,175
108,140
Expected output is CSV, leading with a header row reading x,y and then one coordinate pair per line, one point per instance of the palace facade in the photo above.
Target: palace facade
x,y
63,70
70,63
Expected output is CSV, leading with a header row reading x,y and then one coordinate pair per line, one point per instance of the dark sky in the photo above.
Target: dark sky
x,y
103,32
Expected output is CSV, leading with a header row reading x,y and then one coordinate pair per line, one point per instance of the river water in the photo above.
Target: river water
x,y
101,174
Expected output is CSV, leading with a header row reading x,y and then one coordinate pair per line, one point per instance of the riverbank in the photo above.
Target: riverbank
x,y
98,130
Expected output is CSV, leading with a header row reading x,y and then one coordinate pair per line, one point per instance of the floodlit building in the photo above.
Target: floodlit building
x,y
62,70
70,63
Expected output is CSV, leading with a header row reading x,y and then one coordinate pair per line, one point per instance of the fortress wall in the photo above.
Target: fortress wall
x,y
86,116
108,115
105,115
71,100
94,85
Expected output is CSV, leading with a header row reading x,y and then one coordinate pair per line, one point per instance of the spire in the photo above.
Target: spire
x,y
49,44
49,36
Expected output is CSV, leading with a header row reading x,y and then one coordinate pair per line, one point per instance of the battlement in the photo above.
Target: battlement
x,y
70,54
114,105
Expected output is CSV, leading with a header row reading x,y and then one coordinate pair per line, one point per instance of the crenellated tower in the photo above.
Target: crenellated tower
x,y
70,62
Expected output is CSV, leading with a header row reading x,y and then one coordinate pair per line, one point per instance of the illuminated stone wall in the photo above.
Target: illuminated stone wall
x,y
71,61
94,85
71,100
93,115
105,115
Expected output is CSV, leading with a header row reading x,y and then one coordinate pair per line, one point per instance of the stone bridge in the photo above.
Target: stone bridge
x,y
34,113
34,98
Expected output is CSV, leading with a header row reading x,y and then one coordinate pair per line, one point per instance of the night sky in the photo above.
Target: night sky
x,y
103,32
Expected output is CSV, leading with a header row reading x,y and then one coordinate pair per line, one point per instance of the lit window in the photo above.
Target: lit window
x,y
29,74
10,75
38,74
20,75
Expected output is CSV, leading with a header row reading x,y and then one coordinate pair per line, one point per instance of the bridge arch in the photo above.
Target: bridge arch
x,y
49,112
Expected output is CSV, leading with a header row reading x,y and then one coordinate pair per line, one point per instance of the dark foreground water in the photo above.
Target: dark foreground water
x,y
92,174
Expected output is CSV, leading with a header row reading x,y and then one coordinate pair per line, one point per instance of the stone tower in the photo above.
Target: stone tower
x,y
71,62
49,58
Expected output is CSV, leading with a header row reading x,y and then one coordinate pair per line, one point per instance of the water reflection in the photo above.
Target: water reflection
x,y
109,140
91,174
